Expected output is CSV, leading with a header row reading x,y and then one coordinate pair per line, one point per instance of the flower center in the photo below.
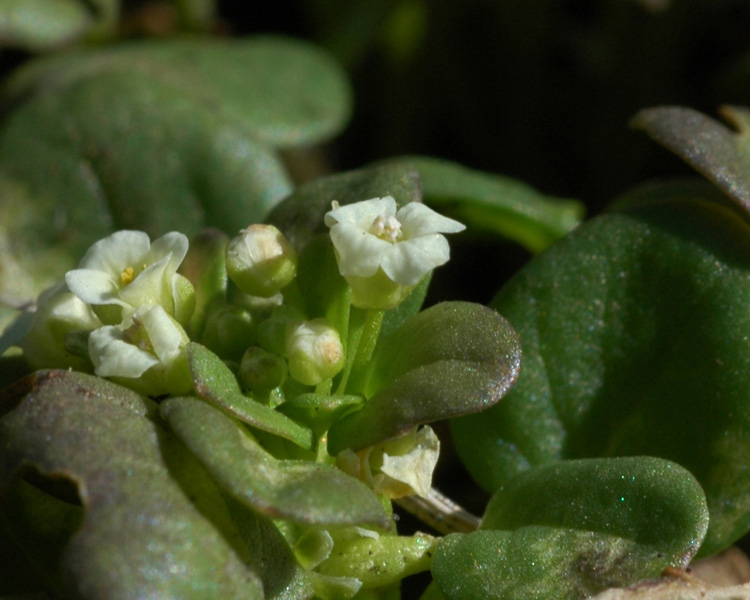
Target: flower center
x,y
386,228
128,274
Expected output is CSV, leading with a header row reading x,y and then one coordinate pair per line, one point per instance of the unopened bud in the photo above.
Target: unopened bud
x,y
229,331
314,351
260,371
261,261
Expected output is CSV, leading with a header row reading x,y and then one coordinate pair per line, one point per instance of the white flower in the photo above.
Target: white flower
x,y
375,241
126,271
146,353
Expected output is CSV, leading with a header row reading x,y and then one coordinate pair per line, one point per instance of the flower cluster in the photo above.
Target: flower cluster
x,y
120,314
127,313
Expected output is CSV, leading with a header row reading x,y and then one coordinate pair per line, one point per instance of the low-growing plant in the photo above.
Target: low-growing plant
x,y
218,380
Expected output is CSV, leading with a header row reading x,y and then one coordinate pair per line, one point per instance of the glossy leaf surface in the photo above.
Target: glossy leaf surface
x,y
501,204
575,528
634,333
719,152
215,383
145,500
288,489
452,359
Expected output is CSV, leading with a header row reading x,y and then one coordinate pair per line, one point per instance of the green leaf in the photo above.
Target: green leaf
x,y
531,563
145,499
155,135
452,359
283,577
654,502
501,204
713,149
634,332
300,216
38,25
215,383
297,490
575,528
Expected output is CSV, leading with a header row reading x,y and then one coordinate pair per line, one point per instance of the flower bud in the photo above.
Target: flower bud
x,y
314,351
260,371
260,261
229,331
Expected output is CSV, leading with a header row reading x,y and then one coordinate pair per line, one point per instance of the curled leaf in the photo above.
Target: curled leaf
x,y
141,517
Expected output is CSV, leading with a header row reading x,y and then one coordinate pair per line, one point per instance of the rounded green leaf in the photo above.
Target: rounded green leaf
x,y
532,563
575,528
145,499
652,501
634,332
297,490
452,359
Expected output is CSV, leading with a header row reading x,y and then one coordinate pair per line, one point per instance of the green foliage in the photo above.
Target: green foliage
x,y
454,358
619,352
575,528
634,339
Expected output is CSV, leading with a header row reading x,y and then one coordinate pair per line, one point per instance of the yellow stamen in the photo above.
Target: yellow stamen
x,y
127,275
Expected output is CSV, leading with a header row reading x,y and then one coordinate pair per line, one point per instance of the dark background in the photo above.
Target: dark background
x,y
540,90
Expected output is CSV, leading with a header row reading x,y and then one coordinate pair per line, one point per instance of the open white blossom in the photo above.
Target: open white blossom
x,y
126,271
383,251
145,353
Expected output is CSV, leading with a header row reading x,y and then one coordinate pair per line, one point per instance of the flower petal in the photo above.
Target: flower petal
x,y
165,336
363,213
418,219
412,469
117,251
407,262
113,357
93,286
150,287
173,244
359,252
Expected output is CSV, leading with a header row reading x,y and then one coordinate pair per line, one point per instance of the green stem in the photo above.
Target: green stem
x,y
357,319
293,296
367,342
